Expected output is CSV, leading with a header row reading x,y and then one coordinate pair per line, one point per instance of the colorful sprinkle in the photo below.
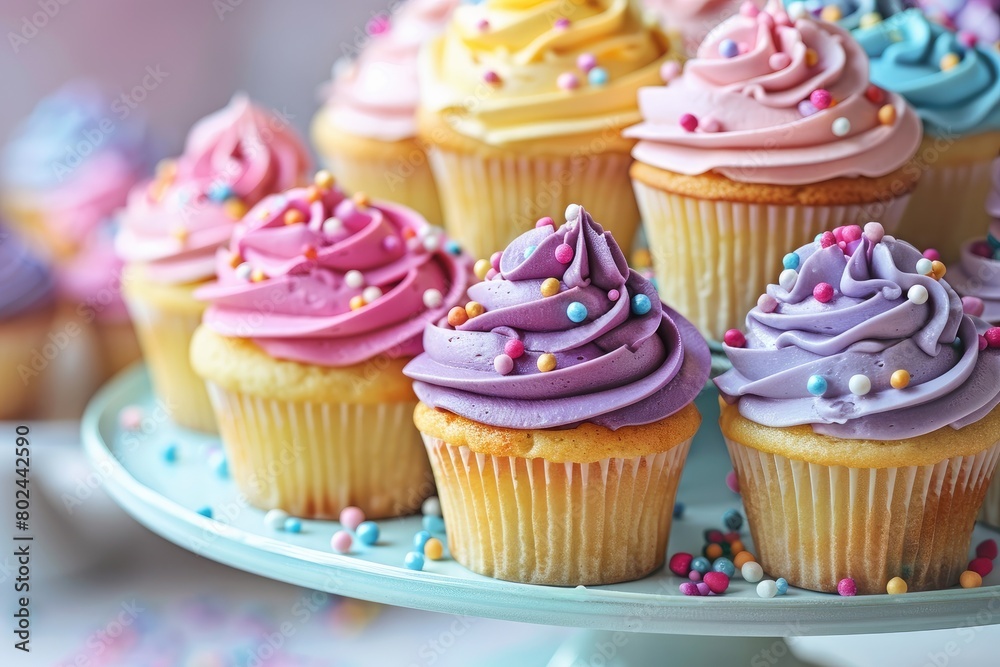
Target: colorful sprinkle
x,y
701,565
481,267
733,482
457,316
680,564
503,364
568,81
414,561
562,24
474,309
767,589
564,253
874,94
433,523
752,572
669,71
972,305
597,76
219,464
981,566
482,25
767,303
917,294
791,261
275,519
787,279
859,384
874,232
870,20
734,338
689,122
434,549
333,226
324,179
987,549
728,49
823,292
371,293
678,510
782,585
341,542
257,276
851,233
949,61
821,98
431,507
547,362
938,269
732,520
742,558
812,57
717,582
613,295
367,533
887,114
689,588
970,579
514,349
827,239
831,14
420,539
724,565
433,298
170,453
586,62
847,588
234,208
841,127
357,302
896,586
641,304
491,77
816,385
550,287
529,251
573,212
179,233
900,379
576,312
924,266
293,525
351,517
983,343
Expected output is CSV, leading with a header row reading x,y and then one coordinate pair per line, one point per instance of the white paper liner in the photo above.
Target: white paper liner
x,y
815,525
488,202
563,524
713,259
314,459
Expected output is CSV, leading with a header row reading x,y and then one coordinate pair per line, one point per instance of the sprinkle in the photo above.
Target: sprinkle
x,y
613,295
732,519
482,25
689,588
408,233
851,233
451,247
725,566
972,305
169,453
275,519
243,271
545,222
218,463
983,343
564,253
547,362
782,585
847,588
219,192
827,239
503,364
367,532
870,20
576,312
689,122
361,200
354,279
433,298
711,125
917,294
680,564
749,9
823,292
205,511
742,558
351,517
529,251
514,348
641,304
875,94
900,379
357,302
734,338
787,279
812,57
550,287
235,208
431,507
312,194
474,309
294,216
433,523
431,242
728,49
797,10
332,226
669,71
293,525
874,232
180,233
434,549
491,77
949,61
703,588
896,586
701,565
767,589
717,582
235,260
568,81
767,303
586,62
309,252
987,549
562,24
573,212
481,267
939,269
779,61
341,542
970,579
791,261
887,114
597,76
807,108
678,510
841,127
821,98
457,316
753,572
816,385
491,274
323,179
967,39
831,14
992,337
733,482
981,566
257,276
859,385
924,266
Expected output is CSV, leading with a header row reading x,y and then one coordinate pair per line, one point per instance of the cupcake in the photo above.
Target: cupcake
x,y
954,84
688,22
849,14
173,225
754,149
521,106
27,306
860,415
976,17
366,132
319,304
558,418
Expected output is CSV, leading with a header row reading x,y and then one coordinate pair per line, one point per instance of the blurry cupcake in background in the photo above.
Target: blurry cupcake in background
x,y
849,14
769,137
174,224
27,309
522,106
321,301
977,17
861,417
558,418
366,131
953,82
688,22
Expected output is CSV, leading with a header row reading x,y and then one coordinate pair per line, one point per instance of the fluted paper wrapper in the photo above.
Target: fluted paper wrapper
x,y
991,506
562,524
314,459
815,524
490,201
713,259
165,338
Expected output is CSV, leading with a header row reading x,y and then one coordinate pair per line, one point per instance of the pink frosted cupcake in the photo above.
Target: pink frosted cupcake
x,y
174,224
320,302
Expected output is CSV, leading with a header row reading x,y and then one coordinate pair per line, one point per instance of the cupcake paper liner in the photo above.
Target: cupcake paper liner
x,y
713,259
563,524
489,201
314,459
991,506
815,524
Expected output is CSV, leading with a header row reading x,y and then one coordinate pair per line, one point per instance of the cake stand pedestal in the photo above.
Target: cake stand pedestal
x,y
634,623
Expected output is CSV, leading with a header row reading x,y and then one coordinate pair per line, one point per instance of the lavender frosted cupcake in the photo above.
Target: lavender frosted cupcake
x,y
563,408
861,416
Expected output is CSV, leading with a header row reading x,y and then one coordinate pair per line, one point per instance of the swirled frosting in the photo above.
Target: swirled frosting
x,y
750,122
232,159
829,361
908,52
980,18
27,282
376,95
76,160
693,19
616,364
978,273
348,280
851,12
509,71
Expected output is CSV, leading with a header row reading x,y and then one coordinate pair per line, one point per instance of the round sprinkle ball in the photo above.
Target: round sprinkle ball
x,y
573,212
981,566
752,572
514,349
841,127
414,561
433,523
431,507
568,81
787,279
457,316
821,98
734,338
732,481
689,122
987,549
859,384
791,261
170,453
742,558
420,539
896,586
918,294
782,585
597,76
831,13
576,312
341,542
669,71
949,61
816,385
973,306
679,510
992,337
701,564
900,379
613,295
823,292
641,304
489,76
351,517
724,565
924,266
293,525
564,253
732,520
970,579
433,298
434,549
847,588
887,114
689,588
717,582
367,533
545,222
728,49
938,269
130,418
703,588
767,589
547,362
503,364
528,252
767,303
874,232
586,62
275,519
474,309
481,267
932,254
550,287
354,279
680,564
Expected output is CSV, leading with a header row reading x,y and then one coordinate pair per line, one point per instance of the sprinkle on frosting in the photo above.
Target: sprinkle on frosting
x,y
578,355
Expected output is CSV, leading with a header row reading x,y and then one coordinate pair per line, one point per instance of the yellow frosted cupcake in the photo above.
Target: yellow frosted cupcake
x,y
861,417
522,106
558,417
320,302
771,135
173,225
